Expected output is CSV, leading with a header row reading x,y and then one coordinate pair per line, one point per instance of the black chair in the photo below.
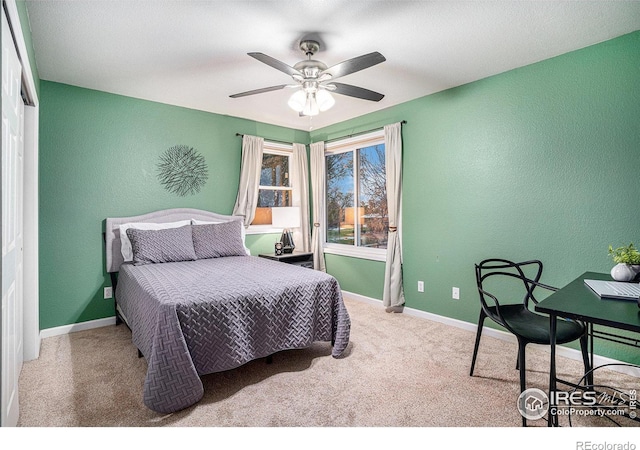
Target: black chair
x,y
526,325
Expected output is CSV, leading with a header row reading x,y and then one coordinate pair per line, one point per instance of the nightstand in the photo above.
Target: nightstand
x,y
304,259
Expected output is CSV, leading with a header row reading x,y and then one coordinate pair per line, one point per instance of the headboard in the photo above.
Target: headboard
x,y
112,230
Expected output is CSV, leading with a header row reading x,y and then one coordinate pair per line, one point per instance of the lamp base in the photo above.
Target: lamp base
x,y
287,241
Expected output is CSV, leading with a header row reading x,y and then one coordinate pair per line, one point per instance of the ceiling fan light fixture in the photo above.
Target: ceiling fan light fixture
x,y
325,100
310,103
298,100
311,106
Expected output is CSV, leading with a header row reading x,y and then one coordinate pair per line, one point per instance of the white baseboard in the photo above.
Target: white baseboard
x,y
66,329
615,365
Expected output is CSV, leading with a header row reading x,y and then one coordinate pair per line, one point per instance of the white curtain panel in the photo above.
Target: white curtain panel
x,y
393,294
300,182
247,199
318,187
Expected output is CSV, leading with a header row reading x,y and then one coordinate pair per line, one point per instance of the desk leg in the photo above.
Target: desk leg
x,y
553,418
590,338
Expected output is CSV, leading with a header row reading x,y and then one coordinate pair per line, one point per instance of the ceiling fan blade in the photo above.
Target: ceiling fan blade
x,y
268,60
260,91
355,91
355,64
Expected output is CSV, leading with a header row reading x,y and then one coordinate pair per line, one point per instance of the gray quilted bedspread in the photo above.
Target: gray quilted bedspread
x,y
198,317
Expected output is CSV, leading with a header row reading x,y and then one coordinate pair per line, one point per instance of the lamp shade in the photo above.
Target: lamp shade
x,y
285,217
325,100
297,101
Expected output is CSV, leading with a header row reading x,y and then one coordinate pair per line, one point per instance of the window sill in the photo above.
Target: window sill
x,y
373,254
263,229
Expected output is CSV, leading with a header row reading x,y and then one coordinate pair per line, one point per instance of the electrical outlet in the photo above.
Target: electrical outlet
x,y
108,292
420,286
455,293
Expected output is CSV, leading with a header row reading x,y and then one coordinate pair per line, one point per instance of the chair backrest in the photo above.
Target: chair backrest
x,y
498,271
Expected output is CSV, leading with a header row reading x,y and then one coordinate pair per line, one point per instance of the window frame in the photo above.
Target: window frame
x,y
275,148
352,144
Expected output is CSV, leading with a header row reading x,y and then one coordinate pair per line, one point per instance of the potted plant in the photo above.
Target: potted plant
x,y
627,259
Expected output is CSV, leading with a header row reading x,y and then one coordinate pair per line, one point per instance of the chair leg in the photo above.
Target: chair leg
x,y
523,371
478,334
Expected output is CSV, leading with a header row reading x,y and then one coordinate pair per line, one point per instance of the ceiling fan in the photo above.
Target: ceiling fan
x,y
315,79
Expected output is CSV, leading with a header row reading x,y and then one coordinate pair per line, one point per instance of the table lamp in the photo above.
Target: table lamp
x,y
286,218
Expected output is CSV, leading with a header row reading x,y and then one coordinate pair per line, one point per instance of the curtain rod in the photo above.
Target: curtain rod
x,y
270,140
359,133
330,140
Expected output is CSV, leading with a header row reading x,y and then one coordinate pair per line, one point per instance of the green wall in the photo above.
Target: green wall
x,y
540,162
360,276
98,155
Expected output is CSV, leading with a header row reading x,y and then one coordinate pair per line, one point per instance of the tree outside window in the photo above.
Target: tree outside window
x,y
357,212
374,223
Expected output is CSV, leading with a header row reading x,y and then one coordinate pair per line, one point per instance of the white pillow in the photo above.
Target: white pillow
x,y
125,248
203,222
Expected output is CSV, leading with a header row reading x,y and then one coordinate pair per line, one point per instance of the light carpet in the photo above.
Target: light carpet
x,y
399,371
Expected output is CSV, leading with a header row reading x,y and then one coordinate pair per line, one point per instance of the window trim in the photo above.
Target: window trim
x,y
353,251
351,144
274,148
262,229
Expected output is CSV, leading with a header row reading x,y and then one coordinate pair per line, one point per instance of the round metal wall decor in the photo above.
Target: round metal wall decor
x,y
182,170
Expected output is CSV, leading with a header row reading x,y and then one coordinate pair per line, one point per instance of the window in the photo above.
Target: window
x,y
275,185
357,220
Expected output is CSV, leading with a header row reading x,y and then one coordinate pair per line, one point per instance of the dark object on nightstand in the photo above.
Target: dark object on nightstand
x,y
287,241
278,248
304,259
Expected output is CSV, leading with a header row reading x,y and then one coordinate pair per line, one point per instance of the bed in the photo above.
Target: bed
x,y
212,308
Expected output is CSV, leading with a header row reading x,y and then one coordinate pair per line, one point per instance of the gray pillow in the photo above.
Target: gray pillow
x,y
218,239
160,246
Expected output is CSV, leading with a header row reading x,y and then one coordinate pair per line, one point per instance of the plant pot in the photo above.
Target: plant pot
x,y
636,269
623,272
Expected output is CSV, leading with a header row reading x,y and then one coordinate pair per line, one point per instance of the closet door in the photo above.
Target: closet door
x,y
12,226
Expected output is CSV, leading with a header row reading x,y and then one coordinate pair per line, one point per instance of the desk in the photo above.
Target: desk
x,y
577,301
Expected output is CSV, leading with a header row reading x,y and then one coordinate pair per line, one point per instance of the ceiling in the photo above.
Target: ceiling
x,y
193,53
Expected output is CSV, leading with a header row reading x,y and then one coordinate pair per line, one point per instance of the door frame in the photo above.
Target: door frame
x,y
31,326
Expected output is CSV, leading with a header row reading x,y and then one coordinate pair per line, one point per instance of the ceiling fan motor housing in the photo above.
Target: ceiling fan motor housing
x,y
310,68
